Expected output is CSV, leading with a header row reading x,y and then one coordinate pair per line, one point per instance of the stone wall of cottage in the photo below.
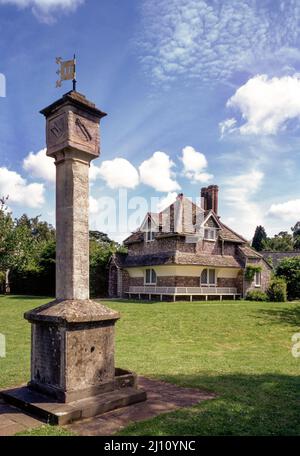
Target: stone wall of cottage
x,y
213,248
126,282
189,281
265,277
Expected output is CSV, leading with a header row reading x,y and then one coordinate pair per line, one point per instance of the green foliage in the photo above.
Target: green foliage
x,y
289,269
277,291
39,278
101,249
250,271
256,295
281,242
260,235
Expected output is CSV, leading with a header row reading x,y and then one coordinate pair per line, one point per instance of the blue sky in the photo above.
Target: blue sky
x,y
197,92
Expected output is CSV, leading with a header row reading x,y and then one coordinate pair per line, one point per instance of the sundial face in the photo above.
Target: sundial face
x,y
58,127
69,128
82,130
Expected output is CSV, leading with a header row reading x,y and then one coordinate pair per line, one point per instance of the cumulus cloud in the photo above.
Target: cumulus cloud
x,y
44,9
266,104
195,164
19,191
40,166
288,211
239,193
117,173
210,40
157,173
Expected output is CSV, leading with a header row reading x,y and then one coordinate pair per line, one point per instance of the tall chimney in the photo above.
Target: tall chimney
x,y
209,198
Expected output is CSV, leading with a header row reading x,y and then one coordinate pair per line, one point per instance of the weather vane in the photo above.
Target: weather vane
x,y
66,71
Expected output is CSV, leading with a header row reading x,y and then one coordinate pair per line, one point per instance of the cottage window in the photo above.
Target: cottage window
x,y
210,234
150,236
257,279
150,277
208,277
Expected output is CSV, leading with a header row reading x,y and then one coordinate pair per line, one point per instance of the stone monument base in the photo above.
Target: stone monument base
x,y
73,373
53,412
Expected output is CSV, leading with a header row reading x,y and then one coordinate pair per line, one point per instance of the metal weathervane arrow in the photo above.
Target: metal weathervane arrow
x,y
66,71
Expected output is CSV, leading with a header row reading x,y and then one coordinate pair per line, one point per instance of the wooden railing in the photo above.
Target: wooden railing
x,y
210,290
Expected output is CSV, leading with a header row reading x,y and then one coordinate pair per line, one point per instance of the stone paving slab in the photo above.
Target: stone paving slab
x,y
162,398
13,420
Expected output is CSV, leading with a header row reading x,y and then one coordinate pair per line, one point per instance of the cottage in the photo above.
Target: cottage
x,y
186,251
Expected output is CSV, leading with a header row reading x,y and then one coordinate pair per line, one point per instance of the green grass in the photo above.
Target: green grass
x,y
239,350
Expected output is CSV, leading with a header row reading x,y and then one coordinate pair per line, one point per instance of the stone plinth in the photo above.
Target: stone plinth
x,y
72,349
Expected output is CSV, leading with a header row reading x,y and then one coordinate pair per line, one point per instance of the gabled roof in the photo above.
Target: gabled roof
x,y
183,225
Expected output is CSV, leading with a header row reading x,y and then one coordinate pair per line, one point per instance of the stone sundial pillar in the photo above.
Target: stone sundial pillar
x,y
72,343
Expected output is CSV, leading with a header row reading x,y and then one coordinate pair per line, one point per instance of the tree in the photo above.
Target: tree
x,y
289,269
281,242
296,236
101,249
260,235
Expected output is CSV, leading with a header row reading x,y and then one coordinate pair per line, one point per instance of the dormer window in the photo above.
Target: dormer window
x,y
149,236
210,234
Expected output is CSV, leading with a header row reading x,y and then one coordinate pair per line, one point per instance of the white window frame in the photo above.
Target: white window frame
x,y
257,275
151,277
207,234
207,284
149,236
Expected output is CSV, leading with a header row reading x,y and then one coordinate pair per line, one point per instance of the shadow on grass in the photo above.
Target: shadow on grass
x,y
247,405
287,316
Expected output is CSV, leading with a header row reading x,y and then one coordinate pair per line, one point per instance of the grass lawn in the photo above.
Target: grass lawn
x,y
240,350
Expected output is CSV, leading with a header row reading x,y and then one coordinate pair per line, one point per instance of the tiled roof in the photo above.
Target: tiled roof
x,y
155,259
276,257
229,235
249,252
207,260
137,236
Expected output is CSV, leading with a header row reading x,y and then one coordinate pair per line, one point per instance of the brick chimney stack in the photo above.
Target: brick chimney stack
x,y
209,198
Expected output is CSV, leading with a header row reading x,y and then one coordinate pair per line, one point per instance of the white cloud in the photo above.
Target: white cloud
x,y
44,9
227,126
266,105
40,166
19,191
288,211
94,172
212,40
117,173
93,205
195,164
157,173
165,201
239,192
